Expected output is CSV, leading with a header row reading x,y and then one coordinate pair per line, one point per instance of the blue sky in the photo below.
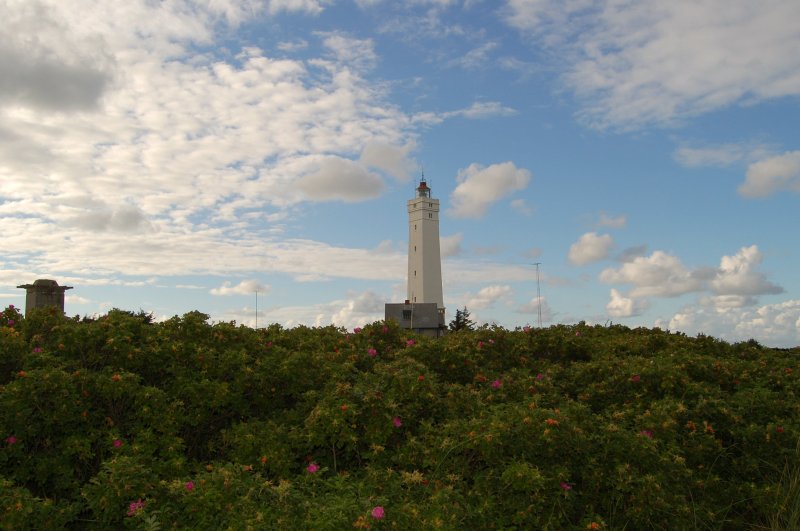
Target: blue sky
x,y
181,155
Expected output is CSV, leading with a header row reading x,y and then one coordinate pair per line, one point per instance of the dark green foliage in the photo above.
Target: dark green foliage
x,y
462,321
203,426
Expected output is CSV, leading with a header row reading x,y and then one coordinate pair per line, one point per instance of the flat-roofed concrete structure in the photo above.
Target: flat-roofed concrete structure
x,y
42,293
421,317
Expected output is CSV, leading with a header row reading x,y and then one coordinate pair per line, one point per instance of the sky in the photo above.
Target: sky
x,y
252,159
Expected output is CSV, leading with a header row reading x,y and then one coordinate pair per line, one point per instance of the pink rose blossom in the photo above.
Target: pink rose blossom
x,y
646,433
385,329
37,349
497,384
397,422
410,343
117,443
356,330
135,507
526,329
540,376
11,440
11,322
566,486
635,378
372,352
189,485
312,468
378,512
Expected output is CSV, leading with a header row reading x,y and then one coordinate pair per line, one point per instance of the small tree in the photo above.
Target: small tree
x,y
462,321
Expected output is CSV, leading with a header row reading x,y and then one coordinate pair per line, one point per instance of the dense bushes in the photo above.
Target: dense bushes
x,y
122,422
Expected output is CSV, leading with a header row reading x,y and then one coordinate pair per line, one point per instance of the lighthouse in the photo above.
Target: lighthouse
x,y
423,309
424,258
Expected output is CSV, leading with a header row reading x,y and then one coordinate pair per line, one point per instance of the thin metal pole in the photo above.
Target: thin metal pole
x,y
539,294
256,308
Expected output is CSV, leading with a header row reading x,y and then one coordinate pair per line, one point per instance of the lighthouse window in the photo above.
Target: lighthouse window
x,y
415,273
430,216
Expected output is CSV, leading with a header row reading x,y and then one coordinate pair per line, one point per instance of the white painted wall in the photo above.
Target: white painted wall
x,y
424,257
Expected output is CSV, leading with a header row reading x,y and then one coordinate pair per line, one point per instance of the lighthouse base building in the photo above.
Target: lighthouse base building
x,y
421,317
423,309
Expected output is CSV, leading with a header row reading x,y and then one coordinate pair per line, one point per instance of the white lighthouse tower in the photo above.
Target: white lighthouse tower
x,y
424,258
423,310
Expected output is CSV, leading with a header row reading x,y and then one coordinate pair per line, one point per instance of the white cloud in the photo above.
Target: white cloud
x,y
621,306
394,160
482,109
720,155
292,46
735,283
591,247
654,62
186,152
488,296
776,325
76,299
477,57
521,206
612,222
245,287
737,275
533,307
771,175
657,275
357,53
478,187
362,309
309,6
334,178
451,245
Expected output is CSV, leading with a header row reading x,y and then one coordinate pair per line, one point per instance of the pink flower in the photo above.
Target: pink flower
x,y
11,440
312,468
117,443
356,330
135,507
480,344
11,322
378,512
10,306
397,422
635,378
385,329
577,334
526,329
566,486
189,485
540,376
410,343
646,433
372,352
497,384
